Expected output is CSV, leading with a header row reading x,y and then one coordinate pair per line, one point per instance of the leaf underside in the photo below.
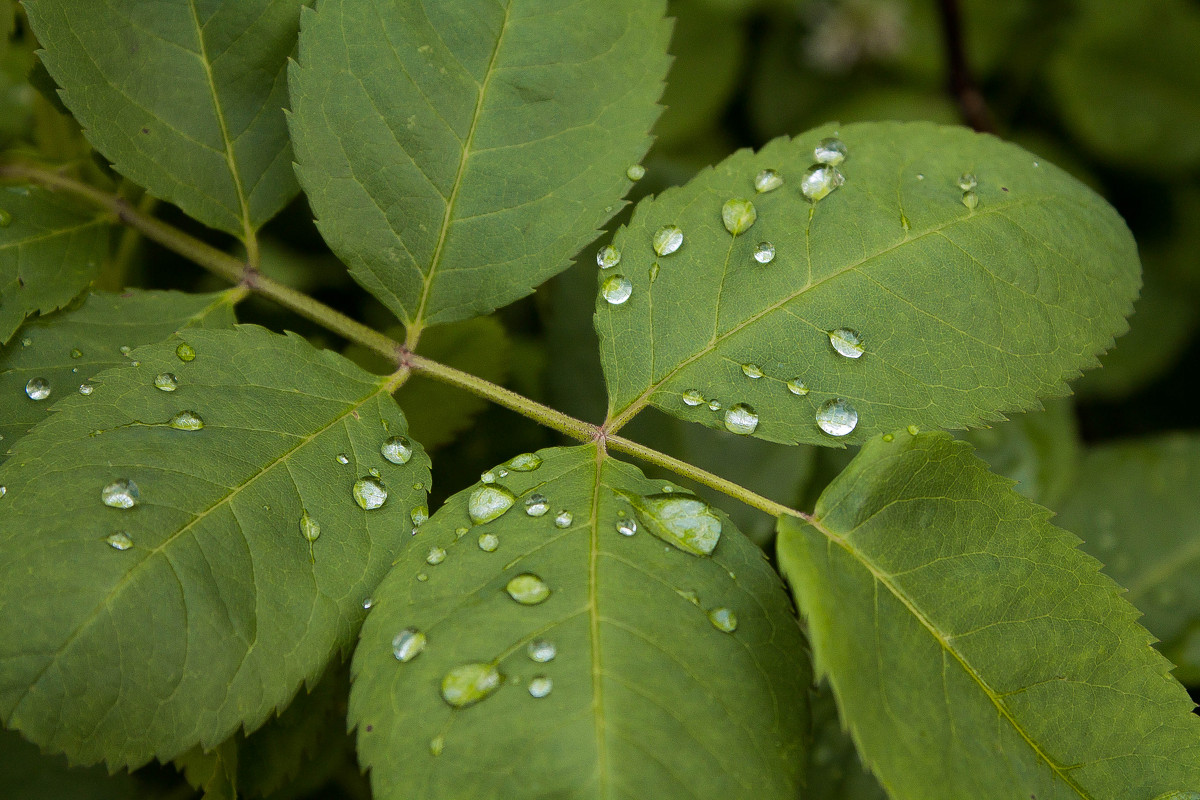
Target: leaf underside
x,y
963,315
973,649
458,153
220,607
648,698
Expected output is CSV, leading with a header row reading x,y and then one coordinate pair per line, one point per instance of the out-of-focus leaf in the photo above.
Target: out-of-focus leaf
x,y
1038,449
834,771
214,772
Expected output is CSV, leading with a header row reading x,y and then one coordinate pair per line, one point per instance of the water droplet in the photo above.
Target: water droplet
x,y
819,181
714,405
125,350
76,353
369,493
738,214
967,181
419,514
689,595
797,387
654,270
830,151
536,505
436,745
468,684
970,200
616,289
680,519
563,519
527,589
488,503
186,421
185,352
764,253
488,542
526,462
723,619
913,430
541,651
367,603
408,644
85,389
121,493
1036,164
6,218
626,526
846,342
342,458
887,437
3,491
635,172
37,388
837,417
119,540
26,342
741,419
608,256
920,176
397,450
166,382
310,529
692,397
667,239
422,577
487,477
767,181
436,556
135,363
752,371
540,686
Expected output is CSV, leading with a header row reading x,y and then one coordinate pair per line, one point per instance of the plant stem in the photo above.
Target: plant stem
x,y
971,105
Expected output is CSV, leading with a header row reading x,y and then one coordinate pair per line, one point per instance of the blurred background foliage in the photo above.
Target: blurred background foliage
x,y
1107,89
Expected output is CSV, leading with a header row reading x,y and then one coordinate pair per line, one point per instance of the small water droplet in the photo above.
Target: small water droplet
x,y
26,342
436,556
616,289
125,350
797,387
830,151
3,491
741,419
166,382
689,595
469,683
6,218
847,342
527,589
310,529
714,405
436,745
1036,164
692,397
342,458
419,514
837,417
920,176
488,503
887,437
408,644
563,519
752,371
487,477
85,389
536,505
608,256
488,542
422,577
967,181
970,200
764,253
738,214
626,526
119,540
185,352
654,270
540,686
186,421
367,603
541,651
819,181
667,239
397,449
37,388
76,353
767,181
135,363
635,172
526,462
913,430
723,619
369,493
121,493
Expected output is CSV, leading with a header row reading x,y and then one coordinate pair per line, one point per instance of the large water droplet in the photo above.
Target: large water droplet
x,y
767,181
797,387
616,289
970,200
419,514
540,686
846,342
310,529
119,540
752,371
692,397
967,181
436,556
186,421
488,542
541,651
635,172
369,493
563,519
723,619
608,256
680,519
166,382
185,352
830,151
536,505
408,644
741,419
667,239
37,388
85,389
738,214
121,493
837,417
342,458
626,526
489,502
527,589
764,253
397,449
819,181
470,683
526,462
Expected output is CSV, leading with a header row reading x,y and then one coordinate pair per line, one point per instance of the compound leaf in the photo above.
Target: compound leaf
x,y
458,153
186,98
971,646
203,606
962,313
648,697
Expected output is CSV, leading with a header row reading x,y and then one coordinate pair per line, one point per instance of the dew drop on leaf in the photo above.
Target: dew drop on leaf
x,y
970,199
967,181
680,519
692,397
3,491
436,745
846,342
419,514
752,371
797,387
487,477
526,462
469,683
540,686
488,542
342,458
37,388
563,519
166,382
422,577
913,430
837,417
369,493
723,619
767,181
185,352
76,353
310,529
186,421
121,493
738,214
667,239
85,389
635,172
626,526
764,253
819,181
436,556
714,405
536,505
541,651
527,589
397,449
125,350
26,342
608,256
367,603
489,502
741,419
408,644
616,289
830,151
6,218
119,540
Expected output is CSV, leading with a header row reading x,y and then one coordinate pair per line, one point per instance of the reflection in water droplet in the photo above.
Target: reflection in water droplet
x,y
419,514
738,214
723,619
970,200
369,493
837,417
527,589
342,458
186,421
626,526
541,651
741,419
536,505
367,603
3,491
526,462
563,519
819,181
166,382
37,388
616,289
540,686
408,644
397,449
768,180
752,371
470,683
830,151
119,540
185,352
967,181
488,542
797,387
692,397
714,405
635,172
310,529
680,519
667,239
764,253
121,493
608,256
436,556
489,502
86,389
846,342
436,745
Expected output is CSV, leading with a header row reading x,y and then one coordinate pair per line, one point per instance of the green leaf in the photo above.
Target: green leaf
x,y
648,697
963,313
972,648
458,153
219,608
96,330
834,771
214,773
50,250
184,98
1136,507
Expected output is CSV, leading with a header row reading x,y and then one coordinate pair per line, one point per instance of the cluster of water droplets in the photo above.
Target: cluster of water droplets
x,y
823,177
